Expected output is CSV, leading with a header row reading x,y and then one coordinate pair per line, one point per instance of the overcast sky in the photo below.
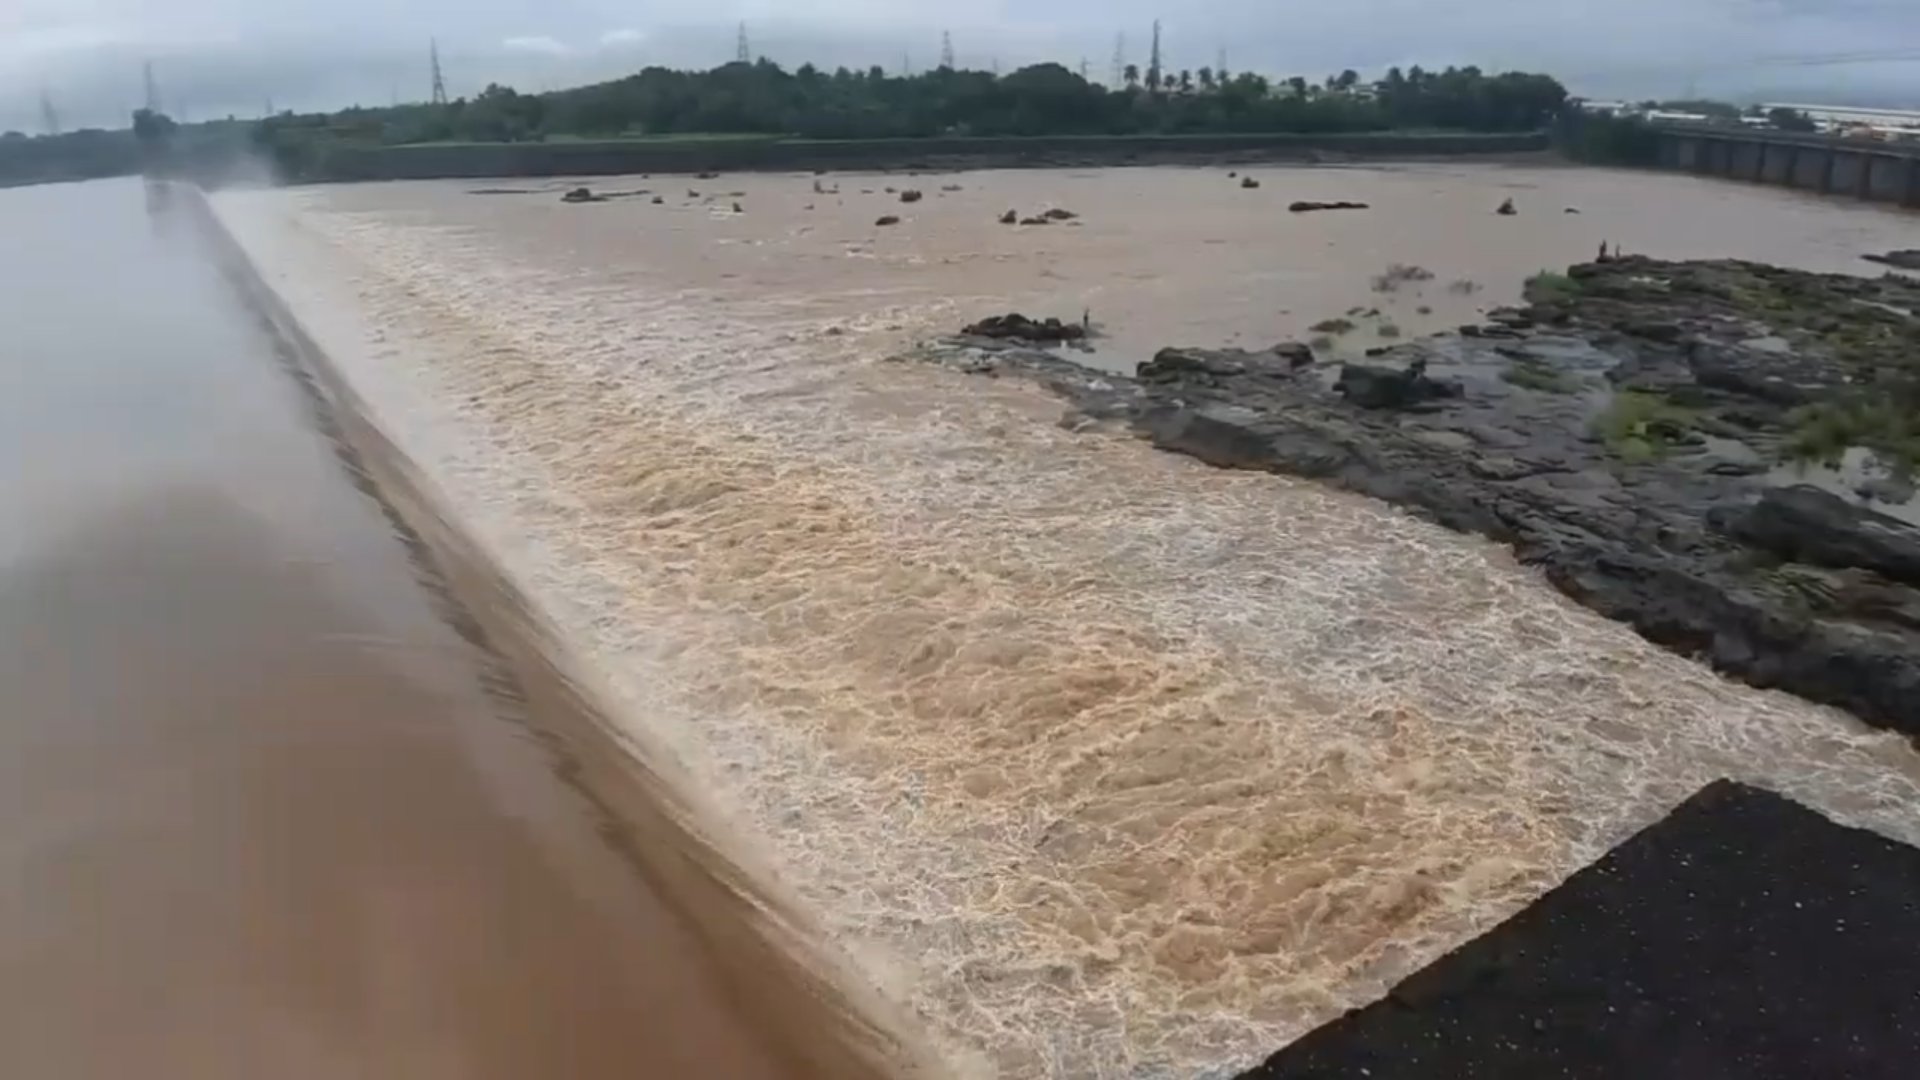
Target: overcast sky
x,y
215,57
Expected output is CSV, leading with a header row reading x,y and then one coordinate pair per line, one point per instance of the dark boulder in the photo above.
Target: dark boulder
x,y
910,195
707,176
1373,387
1903,259
1057,214
1805,524
658,201
1249,182
1036,219
1010,217
886,219
1294,353
1018,327
582,195
1507,209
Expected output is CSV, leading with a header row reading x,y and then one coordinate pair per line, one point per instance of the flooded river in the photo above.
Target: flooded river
x,y
1104,763
262,812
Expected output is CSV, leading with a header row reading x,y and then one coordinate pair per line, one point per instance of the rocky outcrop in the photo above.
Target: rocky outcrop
x,y
887,219
1624,433
1249,182
1018,327
1506,209
582,195
910,195
1903,259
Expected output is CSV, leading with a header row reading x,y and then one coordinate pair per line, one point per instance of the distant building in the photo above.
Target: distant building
x,y
1861,122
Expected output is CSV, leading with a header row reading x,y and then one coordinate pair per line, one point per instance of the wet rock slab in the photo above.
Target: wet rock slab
x,y
1624,434
1743,936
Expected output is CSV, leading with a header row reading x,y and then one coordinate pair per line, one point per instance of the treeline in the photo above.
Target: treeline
x,y
1045,99
151,142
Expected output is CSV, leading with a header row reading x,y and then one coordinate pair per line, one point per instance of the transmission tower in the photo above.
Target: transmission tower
x,y
439,80
1220,63
740,52
946,50
49,119
1119,73
1083,69
152,88
1153,61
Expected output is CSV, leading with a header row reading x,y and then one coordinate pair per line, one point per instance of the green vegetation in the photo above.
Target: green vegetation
x,y
1388,330
1607,140
1320,343
1547,287
1640,426
1823,432
1536,375
1045,99
1332,326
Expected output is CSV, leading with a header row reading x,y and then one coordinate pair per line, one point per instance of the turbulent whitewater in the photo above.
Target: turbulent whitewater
x,y
1102,762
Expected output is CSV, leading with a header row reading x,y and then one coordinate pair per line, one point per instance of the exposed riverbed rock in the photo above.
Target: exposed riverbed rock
x,y
887,219
1904,259
1306,206
582,195
1629,434
1018,327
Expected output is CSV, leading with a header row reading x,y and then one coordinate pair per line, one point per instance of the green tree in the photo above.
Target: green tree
x,y
1791,119
1132,76
1186,82
1347,80
1205,76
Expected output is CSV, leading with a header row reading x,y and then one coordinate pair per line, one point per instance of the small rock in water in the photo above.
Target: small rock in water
x,y
1016,325
1507,209
582,195
1903,259
707,176
1571,210
658,201
1009,218
1307,206
950,187
886,219
1057,214
1249,182
1036,219
910,195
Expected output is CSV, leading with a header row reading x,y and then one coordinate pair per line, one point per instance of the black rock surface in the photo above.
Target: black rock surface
x,y
1742,937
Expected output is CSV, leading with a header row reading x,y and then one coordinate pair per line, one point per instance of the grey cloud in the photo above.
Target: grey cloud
x,y
219,56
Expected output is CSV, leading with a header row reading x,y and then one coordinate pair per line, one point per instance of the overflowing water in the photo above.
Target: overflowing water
x,y
263,811
1104,762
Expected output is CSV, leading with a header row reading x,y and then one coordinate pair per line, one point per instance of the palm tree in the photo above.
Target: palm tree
x,y
1186,82
1206,78
1348,80
1132,76
1299,85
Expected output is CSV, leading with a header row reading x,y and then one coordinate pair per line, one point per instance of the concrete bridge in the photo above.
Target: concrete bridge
x,y
1857,168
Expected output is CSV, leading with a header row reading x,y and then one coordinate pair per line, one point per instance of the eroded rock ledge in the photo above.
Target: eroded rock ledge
x,y
1632,431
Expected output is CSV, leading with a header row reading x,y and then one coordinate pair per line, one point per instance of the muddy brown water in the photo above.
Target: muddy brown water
x,y
1104,763
262,811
